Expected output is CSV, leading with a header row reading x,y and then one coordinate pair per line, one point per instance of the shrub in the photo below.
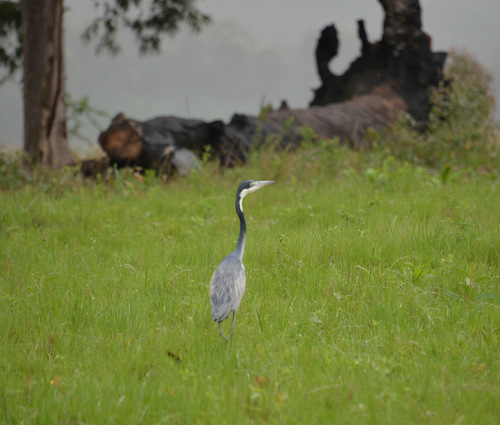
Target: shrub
x,y
13,172
460,131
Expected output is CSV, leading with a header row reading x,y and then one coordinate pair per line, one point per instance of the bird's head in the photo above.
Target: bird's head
x,y
249,186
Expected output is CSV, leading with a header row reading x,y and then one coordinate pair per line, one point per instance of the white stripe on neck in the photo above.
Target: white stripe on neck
x,y
245,192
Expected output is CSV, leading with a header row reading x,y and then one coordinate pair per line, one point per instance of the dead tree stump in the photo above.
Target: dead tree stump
x,y
402,58
393,75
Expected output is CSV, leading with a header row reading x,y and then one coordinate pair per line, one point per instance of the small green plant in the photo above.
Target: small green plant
x,y
78,113
14,172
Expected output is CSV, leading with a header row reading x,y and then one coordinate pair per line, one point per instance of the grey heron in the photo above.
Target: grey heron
x,y
228,281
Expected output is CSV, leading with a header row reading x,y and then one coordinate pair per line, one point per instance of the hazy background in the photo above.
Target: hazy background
x,y
254,52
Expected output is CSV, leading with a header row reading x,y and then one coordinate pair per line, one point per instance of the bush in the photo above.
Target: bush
x,y
460,131
13,172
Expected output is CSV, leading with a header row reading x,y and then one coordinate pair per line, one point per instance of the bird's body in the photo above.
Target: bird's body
x,y
227,287
228,281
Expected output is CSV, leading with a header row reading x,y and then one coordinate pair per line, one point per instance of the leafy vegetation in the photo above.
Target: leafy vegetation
x,y
147,23
460,131
79,113
372,293
10,38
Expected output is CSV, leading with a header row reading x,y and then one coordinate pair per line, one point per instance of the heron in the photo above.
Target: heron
x,y
228,281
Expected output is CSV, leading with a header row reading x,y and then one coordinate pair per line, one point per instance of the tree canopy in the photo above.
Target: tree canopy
x,y
10,38
148,20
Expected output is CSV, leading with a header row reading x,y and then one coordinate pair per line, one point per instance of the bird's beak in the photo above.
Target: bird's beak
x,y
261,183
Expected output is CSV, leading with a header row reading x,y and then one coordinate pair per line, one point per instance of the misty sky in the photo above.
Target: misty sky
x,y
253,53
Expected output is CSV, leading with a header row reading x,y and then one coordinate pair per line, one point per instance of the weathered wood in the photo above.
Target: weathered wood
x,y
148,144
349,121
402,58
94,167
391,76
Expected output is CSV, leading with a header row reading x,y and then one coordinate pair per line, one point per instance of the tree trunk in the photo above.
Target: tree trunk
x,y
45,136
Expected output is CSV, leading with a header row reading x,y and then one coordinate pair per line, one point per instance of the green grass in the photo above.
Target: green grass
x,y
372,297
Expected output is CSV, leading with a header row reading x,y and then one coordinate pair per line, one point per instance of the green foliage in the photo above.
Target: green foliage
x,y
10,37
17,173
147,22
13,173
460,129
372,295
78,112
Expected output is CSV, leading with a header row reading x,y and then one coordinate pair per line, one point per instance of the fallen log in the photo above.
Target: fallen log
x,y
165,143
349,121
162,143
391,76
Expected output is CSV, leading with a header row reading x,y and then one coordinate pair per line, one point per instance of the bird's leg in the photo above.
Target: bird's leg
x,y
221,334
232,327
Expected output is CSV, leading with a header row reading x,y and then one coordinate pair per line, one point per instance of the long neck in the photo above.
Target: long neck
x,y
240,246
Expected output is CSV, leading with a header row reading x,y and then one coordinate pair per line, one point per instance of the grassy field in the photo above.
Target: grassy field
x,y
372,297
